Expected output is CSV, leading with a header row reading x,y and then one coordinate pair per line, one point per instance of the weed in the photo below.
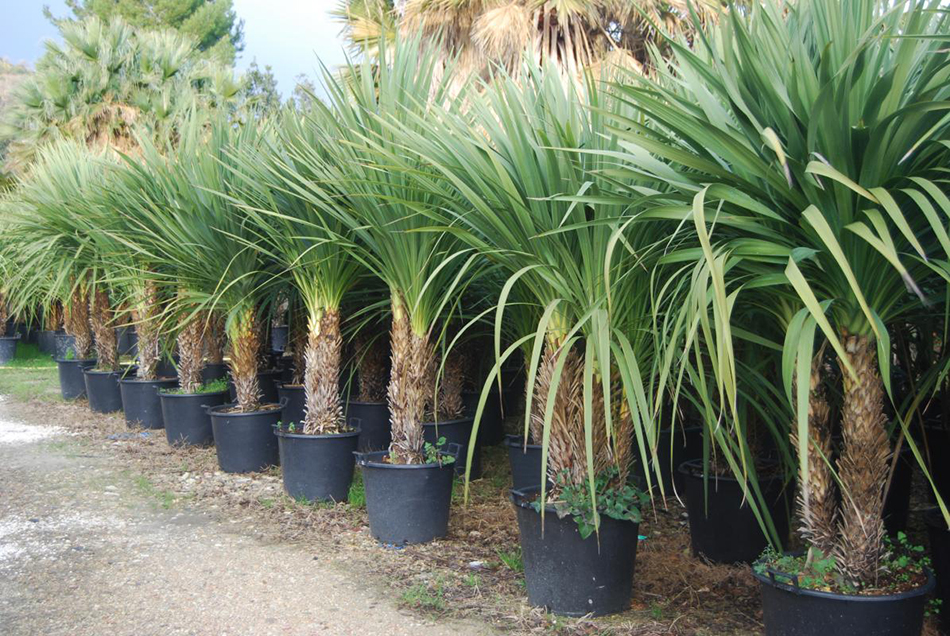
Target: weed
x,y
512,559
425,597
357,496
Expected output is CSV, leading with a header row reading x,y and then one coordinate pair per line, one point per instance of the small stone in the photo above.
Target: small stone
x,y
477,565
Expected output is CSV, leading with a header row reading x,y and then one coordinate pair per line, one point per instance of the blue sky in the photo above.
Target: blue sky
x,y
287,34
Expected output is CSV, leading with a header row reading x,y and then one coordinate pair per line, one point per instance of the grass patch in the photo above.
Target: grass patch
x,y
429,598
357,495
28,356
166,498
31,375
512,559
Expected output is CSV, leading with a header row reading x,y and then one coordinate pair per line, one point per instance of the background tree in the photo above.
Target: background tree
x,y
304,92
261,88
212,23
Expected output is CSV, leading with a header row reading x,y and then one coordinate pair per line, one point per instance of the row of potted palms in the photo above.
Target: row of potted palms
x,y
750,241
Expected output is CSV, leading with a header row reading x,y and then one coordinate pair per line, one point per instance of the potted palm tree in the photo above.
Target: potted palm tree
x,y
828,188
316,451
408,487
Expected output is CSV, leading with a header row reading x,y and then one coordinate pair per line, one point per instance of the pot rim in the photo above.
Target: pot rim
x,y
94,371
13,337
289,386
212,410
683,469
769,579
357,402
279,433
361,460
191,395
516,441
459,420
65,361
139,381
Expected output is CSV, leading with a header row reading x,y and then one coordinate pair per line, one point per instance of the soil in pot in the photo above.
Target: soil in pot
x,y
102,390
570,575
372,418
294,398
186,416
245,442
141,403
406,503
267,381
525,462
317,467
8,348
491,429
72,384
722,526
64,346
790,610
456,432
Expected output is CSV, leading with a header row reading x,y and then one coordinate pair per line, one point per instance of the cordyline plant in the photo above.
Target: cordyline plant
x,y
386,216
41,235
526,173
807,142
181,216
304,239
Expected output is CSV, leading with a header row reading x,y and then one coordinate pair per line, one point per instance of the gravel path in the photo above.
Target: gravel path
x,y
85,549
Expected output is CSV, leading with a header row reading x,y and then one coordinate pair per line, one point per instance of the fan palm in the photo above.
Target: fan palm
x,y
805,143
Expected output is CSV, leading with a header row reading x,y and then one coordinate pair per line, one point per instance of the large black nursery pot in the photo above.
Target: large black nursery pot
x,y
294,398
186,416
245,442
72,385
278,338
141,403
940,558
372,418
722,525
456,432
128,340
317,467
789,610
570,575
491,429
214,371
102,389
267,382
167,367
683,444
406,503
64,345
8,348
46,341
525,462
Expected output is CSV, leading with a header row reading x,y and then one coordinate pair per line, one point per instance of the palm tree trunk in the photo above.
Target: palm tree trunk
x,y
215,338
191,352
324,413
100,317
411,355
863,464
450,388
146,326
245,345
54,316
76,322
817,500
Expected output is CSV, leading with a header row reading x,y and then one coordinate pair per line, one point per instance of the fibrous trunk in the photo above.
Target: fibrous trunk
x,y
76,322
215,338
371,365
863,465
816,496
54,316
146,326
408,391
450,388
101,319
324,412
245,346
191,352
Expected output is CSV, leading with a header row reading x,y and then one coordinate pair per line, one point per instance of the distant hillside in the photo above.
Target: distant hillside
x,y
10,77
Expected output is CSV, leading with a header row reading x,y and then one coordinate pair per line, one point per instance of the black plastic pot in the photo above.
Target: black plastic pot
x,y
141,403
722,526
63,346
167,368
372,418
940,559
102,389
278,338
72,385
267,382
46,341
317,467
214,371
406,503
788,610
186,416
128,340
525,462
456,432
684,444
897,502
294,398
491,429
245,442
8,348
569,575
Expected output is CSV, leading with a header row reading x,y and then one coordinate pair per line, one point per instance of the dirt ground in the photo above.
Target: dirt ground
x,y
104,530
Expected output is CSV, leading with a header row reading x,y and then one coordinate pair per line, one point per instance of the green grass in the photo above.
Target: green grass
x,y
166,498
357,496
425,597
512,559
31,375
28,356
